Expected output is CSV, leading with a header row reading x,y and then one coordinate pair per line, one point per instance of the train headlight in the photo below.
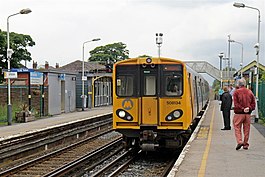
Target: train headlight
x,y
176,114
122,114
148,60
169,118
129,117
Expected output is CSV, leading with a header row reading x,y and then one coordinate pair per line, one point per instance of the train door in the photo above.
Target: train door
x,y
202,91
149,94
196,94
199,95
191,94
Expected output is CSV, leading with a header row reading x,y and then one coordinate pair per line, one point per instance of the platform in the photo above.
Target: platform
x,y
56,120
212,151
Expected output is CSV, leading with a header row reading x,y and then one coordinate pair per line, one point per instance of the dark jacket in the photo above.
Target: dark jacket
x,y
243,98
226,101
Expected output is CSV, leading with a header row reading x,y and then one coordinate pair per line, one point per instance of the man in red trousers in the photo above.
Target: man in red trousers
x,y
244,104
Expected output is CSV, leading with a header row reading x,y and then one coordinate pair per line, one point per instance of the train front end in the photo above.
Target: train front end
x,y
151,102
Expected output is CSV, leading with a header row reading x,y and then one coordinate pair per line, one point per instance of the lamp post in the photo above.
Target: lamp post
x,y
229,58
221,55
159,41
242,49
227,71
84,78
242,5
9,55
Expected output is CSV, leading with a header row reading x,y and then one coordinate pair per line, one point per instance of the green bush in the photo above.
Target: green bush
x,y
3,112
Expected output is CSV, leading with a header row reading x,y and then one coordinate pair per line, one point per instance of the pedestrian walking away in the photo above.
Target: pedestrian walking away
x,y
226,107
244,104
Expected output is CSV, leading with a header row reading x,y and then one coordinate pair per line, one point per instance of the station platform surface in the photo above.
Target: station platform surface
x,y
211,151
18,129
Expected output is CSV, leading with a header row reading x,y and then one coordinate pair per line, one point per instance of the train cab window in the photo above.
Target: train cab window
x,y
126,80
150,85
172,80
173,85
124,85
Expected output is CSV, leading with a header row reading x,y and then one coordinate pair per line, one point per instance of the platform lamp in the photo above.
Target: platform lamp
x,y
84,78
221,55
242,49
9,55
242,5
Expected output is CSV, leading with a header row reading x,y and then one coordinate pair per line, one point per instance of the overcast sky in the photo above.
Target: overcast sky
x,y
193,29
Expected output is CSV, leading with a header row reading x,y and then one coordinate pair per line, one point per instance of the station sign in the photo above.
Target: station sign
x,y
22,70
10,75
36,78
61,77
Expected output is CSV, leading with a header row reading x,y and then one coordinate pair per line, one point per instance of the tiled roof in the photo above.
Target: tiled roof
x,y
76,66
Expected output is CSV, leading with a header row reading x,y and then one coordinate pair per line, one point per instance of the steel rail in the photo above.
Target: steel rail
x,y
76,163
34,161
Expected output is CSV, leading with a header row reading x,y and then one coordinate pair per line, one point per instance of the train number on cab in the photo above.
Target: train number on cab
x,y
173,102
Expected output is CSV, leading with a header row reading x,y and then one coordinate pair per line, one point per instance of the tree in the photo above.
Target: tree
x,y
19,44
109,53
144,56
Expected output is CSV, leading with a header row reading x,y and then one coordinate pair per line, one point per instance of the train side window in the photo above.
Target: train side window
x,y
124,85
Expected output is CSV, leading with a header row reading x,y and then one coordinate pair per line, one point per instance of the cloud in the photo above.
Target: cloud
x,y
193,29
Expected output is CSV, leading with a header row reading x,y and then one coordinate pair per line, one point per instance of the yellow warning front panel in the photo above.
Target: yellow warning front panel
x,y
149,111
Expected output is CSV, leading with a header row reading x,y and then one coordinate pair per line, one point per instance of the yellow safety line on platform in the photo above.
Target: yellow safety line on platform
x,y
207,148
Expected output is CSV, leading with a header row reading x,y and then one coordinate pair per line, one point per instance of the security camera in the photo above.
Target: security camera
x,y
221,55
256,46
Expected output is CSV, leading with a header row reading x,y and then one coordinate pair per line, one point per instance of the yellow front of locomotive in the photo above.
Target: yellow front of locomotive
x,y
151,101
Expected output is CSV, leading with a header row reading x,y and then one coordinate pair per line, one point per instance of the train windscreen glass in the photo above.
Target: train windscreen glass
x,y
125,80
173,80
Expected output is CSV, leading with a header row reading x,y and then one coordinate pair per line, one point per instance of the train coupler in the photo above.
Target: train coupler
x,y
148,140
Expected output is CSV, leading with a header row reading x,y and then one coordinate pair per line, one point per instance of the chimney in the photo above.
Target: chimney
x,y
34,65
57,65
46,65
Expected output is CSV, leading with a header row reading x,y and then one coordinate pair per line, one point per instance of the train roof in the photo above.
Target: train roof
x,y
145,58
165,59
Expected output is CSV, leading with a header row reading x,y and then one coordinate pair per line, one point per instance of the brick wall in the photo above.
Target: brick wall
x,y
19,94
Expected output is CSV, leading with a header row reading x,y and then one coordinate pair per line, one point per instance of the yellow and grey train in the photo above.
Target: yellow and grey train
x,y
156,101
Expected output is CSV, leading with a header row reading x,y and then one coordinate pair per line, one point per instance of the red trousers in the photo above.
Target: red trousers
x,y
239,120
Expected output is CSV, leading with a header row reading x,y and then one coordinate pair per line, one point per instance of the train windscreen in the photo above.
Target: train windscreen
x,y
135,80
126,80
173,80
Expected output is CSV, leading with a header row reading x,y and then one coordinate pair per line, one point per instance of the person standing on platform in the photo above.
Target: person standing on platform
x,y
220,93
225,108
231,90
244,104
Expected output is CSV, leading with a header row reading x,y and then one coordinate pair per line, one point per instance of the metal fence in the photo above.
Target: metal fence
x,y
20,96
261,96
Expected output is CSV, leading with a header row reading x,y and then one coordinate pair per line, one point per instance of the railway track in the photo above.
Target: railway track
x,y
137,163
67,159
99,155
21,148
115,166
